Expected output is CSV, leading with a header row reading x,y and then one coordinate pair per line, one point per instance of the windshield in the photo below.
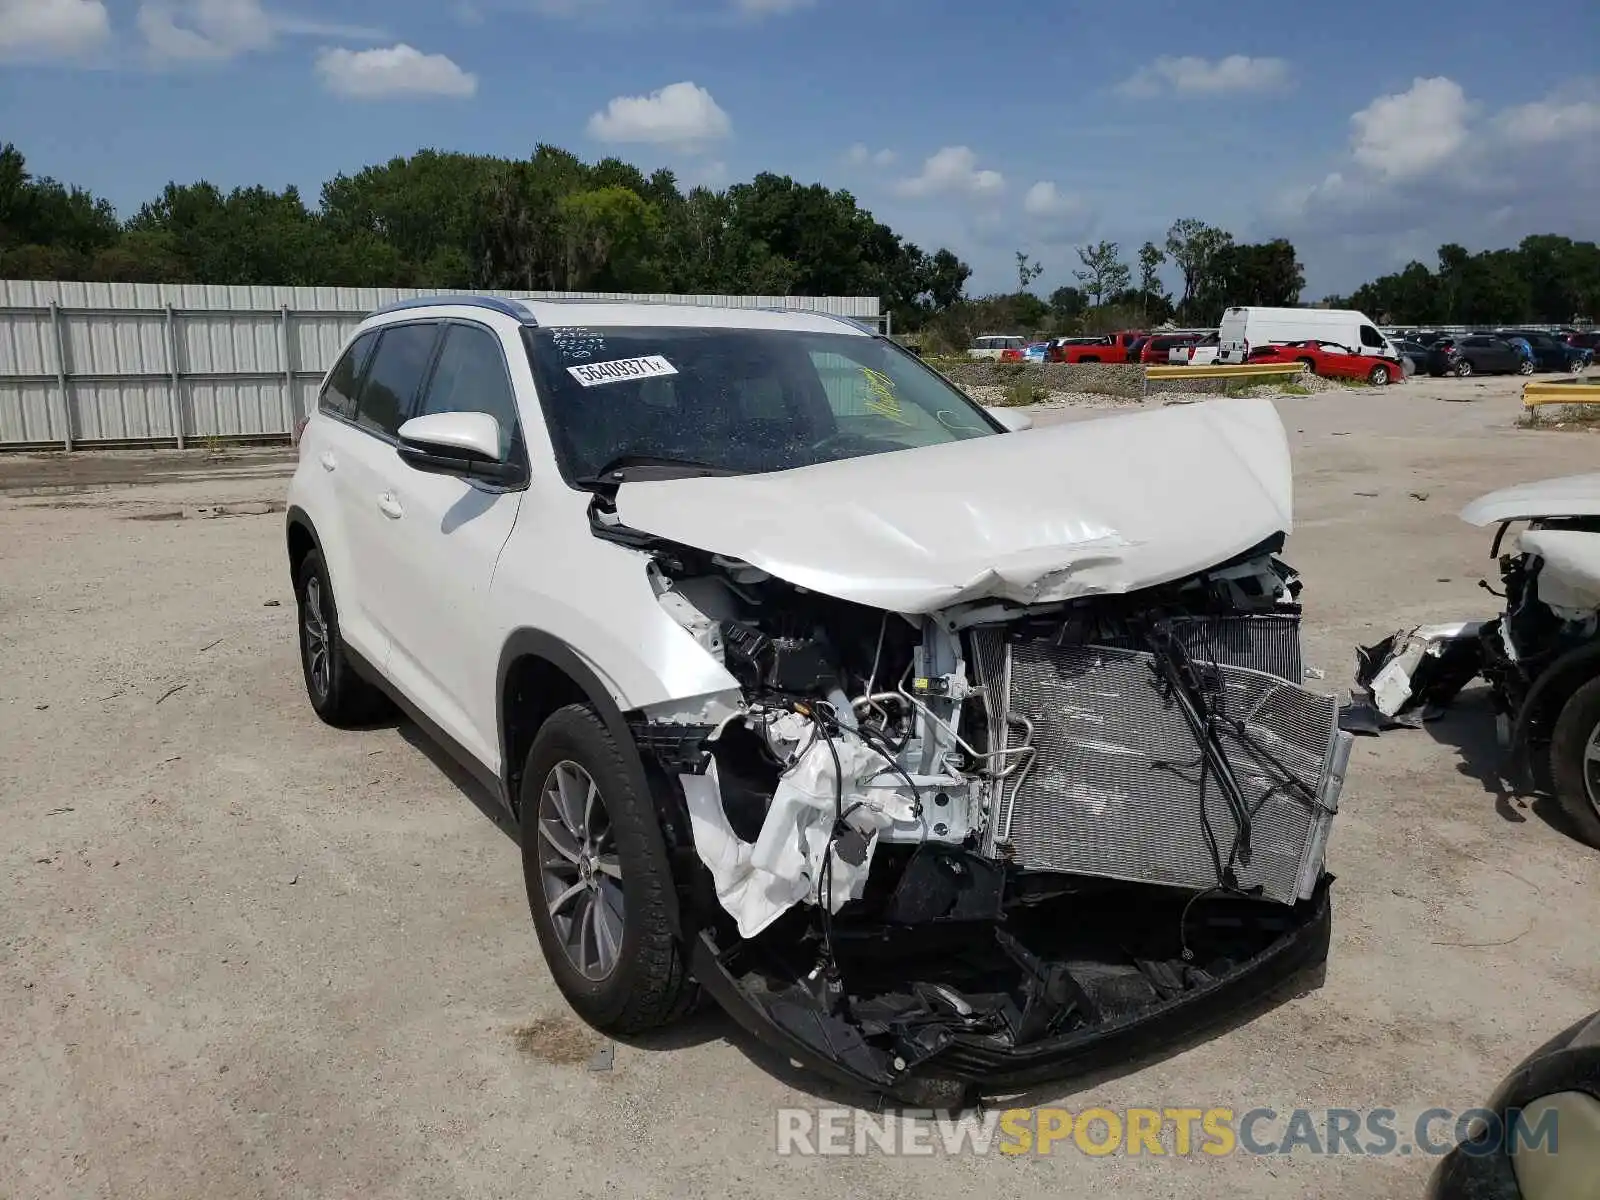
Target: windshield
x,y
737,400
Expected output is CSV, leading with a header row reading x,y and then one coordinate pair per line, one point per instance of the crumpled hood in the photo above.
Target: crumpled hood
x,y
1102,506
1569,496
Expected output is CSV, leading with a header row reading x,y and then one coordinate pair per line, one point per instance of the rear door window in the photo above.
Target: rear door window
x,y
339,393
395,377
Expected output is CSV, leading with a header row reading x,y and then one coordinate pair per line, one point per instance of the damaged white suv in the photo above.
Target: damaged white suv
x,y
943,756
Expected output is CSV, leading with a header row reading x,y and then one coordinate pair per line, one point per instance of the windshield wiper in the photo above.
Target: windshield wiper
x,y
643,468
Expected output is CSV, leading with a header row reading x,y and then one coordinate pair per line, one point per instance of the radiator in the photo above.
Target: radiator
x,y
1114,789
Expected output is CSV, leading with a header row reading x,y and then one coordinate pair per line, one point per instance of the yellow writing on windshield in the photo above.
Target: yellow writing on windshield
x,y
884,400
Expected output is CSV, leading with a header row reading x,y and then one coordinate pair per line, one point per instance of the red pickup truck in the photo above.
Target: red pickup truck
x,y
1113,348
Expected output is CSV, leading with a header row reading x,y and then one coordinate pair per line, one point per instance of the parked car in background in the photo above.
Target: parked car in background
x,y
1108,349
1585,341
994,345
1414,353
1476,354
1332,360
1202,353
1136,348
1036,352
1550,353
1244,328
1158,349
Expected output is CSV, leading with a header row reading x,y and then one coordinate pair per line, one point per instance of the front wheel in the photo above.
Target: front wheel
x,y
1575,761
1463,369
599,884
1378,376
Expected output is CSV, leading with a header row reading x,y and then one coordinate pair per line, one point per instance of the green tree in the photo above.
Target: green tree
x,y
1193,246
1027,271
1068,303
1103,271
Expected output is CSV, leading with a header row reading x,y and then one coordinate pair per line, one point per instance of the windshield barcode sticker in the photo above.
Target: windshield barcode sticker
x,y
621,370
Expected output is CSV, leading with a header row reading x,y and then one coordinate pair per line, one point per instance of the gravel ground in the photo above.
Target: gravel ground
x,y
245,955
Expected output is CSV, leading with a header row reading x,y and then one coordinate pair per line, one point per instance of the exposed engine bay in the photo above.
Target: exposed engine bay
x,y
973,846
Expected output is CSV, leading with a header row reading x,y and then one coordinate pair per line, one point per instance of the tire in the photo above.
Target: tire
x,y
1524,367
1576,786
1378,376
1463,368
337,693
622,869
1309,364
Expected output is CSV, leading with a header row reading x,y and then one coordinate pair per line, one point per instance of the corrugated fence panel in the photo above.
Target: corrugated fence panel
x,y
134,344
120,411
317,339
28,413
232,375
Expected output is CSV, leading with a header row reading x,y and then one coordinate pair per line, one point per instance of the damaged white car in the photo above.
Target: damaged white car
x,y
942,756
1541,655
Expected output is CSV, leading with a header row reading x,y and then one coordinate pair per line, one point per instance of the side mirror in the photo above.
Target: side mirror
x,y
465,444
1012,420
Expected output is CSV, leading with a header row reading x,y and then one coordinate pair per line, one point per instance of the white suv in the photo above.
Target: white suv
x,y
804,679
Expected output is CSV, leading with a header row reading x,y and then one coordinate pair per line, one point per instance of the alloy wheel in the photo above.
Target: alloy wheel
x,y
1591,768
314,627
579,870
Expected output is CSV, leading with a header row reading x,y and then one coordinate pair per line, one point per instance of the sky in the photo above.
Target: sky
x,y
1367,132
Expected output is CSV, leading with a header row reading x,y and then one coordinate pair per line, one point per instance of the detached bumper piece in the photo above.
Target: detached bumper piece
x,y
974,1004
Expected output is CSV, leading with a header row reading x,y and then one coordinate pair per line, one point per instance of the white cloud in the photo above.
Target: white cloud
x,y
1412,132
44,29
394,72
1055,215
952,171
1429,165
218,30
1193,76
859,155
680,114
1551,120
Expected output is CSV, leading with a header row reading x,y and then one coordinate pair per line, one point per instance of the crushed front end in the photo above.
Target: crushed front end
x,y
978,847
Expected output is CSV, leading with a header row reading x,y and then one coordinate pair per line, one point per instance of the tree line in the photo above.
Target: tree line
x,y
552,222
446,221
1547,279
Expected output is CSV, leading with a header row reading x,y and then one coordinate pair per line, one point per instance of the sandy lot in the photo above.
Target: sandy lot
x,y
242,954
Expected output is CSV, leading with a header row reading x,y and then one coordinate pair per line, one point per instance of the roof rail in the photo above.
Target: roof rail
x,y
859,325
500,304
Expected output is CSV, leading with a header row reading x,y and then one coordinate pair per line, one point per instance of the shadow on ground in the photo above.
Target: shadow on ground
x,y
1468,728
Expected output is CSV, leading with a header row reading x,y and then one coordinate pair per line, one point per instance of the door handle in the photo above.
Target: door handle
x,y
389,505
328,461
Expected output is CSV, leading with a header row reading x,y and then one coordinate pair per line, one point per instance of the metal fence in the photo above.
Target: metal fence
x,y
108,364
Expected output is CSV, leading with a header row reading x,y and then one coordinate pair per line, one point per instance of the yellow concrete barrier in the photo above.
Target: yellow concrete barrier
x,y
1557,391
1243,371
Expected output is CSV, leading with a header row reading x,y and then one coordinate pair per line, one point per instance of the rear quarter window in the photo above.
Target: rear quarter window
x,y
344,382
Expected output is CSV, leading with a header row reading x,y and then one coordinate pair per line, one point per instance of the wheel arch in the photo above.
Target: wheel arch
x,y
1550,692
300,533
539,674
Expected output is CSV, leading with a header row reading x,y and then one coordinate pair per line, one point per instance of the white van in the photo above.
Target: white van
x,y
993,345
1244,328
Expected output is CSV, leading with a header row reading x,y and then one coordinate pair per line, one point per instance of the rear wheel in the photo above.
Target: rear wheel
x,y
598,881
1525,367
1309,364
1575,761
337,693
1463,368
1378,376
